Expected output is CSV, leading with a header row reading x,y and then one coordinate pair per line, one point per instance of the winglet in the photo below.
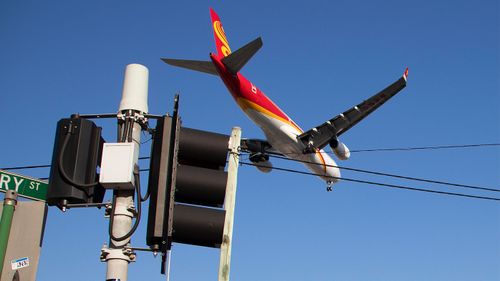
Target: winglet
x,y
405,75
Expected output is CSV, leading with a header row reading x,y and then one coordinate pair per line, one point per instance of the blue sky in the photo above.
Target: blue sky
x,y
319,58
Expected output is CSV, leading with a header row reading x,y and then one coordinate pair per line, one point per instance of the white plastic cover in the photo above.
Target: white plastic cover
x,y
117,165
135,88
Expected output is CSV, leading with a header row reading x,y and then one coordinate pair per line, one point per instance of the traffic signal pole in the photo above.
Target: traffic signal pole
x,y
132,107
9,205
229,204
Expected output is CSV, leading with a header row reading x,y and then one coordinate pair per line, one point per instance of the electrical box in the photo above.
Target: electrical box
x,y
76,156
117,165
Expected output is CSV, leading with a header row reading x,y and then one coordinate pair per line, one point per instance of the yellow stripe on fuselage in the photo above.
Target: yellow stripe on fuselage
x,y
246,104
322,160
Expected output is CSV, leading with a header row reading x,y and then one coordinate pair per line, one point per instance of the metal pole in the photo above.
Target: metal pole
x,y
229,204
9,205
133,106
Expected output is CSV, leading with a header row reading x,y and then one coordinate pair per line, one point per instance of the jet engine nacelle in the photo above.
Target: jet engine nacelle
x,y
340,150
265,166
261,161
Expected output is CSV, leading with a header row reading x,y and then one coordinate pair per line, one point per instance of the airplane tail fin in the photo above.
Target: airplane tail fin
x,y
221,42
232,61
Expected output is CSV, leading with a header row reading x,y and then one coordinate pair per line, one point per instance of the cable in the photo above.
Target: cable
x,y
148,191
404,148
146,197
24,167
353,151
130,130
146,141
138,218
392,175
65,176
124,131
377,183
427,147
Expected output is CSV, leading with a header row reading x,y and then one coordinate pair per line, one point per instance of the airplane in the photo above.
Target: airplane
x,y
284,136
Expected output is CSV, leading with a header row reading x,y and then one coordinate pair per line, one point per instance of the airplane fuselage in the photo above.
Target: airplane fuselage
x,y
282,133
280,130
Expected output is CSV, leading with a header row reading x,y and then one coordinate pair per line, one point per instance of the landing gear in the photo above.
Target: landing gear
x,y
329,186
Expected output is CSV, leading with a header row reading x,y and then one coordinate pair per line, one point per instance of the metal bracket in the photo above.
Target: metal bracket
x,y
133,210
107,211
126,254
10,198
88,205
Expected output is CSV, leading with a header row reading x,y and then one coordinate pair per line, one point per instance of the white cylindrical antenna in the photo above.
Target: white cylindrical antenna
x,y
135,88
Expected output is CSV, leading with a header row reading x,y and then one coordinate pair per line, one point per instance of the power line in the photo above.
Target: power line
x,y
438,147
43,166
392,175
379,184
353,151
367,182
427,147
24,167
352,169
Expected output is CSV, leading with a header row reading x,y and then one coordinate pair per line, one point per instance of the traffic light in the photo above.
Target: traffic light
x,y
187,183
73,174
160,185
200,183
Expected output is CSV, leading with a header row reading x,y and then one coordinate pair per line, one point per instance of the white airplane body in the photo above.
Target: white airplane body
x,y
284,136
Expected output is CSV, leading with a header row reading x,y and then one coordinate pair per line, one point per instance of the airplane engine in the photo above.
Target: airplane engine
x,y
340,149
262,162
265,166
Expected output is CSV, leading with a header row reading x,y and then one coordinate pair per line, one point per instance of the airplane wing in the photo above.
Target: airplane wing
x,y
318,137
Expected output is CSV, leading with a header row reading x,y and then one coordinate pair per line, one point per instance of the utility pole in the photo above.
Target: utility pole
x,y
9,206
131,118
229,205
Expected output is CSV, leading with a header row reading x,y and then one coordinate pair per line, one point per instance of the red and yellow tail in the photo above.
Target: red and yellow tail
x,y
233,62
221,43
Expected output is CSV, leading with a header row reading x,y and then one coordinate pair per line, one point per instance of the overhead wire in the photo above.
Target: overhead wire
x,y
437,147
391,175
24,167
427,147
353,151
42,166
378,183
365,182
368,182
358,170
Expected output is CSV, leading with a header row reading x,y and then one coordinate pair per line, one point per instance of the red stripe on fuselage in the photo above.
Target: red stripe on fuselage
x,y
241,88
247,95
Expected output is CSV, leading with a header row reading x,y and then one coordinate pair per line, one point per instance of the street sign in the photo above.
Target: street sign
x,y
25,186
25,241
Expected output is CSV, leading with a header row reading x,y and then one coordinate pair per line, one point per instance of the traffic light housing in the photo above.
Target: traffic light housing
x,y
187,183
200,183
73,174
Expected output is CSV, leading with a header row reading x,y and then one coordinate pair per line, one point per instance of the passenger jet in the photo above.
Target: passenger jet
x,y
284,136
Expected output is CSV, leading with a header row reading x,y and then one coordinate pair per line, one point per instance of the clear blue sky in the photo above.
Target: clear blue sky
x,y
319,58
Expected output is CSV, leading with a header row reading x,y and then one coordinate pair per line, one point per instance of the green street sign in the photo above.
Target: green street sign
x,y
25,186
